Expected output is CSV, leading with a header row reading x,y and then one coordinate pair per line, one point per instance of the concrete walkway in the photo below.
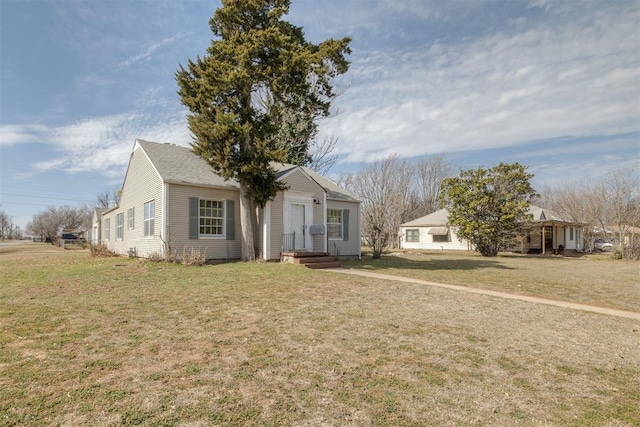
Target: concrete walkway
x,y
583,307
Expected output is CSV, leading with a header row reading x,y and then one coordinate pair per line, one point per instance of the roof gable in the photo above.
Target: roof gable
x,y
180,165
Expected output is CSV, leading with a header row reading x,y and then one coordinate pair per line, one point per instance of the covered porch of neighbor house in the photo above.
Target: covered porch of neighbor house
x,y
552,238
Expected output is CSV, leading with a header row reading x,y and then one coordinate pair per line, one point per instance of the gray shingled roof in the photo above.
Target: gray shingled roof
x,y
441,217
437,218
179,165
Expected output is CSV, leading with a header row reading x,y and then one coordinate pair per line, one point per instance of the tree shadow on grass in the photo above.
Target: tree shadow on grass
x,y
428,263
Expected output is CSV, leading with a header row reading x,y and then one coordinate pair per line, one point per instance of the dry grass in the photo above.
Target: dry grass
x,y
114,341
590,279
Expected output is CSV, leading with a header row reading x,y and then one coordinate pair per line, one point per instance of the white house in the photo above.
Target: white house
x,y
172,195
549,233
431,232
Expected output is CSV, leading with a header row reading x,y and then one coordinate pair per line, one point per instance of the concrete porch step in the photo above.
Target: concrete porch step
x,y
314,260
318,265
311,259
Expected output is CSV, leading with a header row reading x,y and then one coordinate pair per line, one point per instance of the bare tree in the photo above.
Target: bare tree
x,y
622,190
385,190
8,230
57,219
320,152
108,199
429,174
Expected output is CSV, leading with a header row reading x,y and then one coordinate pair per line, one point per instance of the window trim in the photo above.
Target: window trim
x,y
223,218
106,225
149,226
131,223
442,238
412,231
339,224
120,226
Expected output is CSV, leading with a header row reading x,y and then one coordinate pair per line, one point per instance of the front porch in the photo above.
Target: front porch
x,y
313,260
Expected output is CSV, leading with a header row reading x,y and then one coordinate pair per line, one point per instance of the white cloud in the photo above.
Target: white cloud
x,y
149,51
101,144
20,134
557,77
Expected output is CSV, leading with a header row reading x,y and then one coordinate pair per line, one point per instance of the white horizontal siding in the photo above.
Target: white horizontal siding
x,y
426,240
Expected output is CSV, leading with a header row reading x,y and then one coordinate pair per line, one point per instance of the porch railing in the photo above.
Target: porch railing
x,y
288,242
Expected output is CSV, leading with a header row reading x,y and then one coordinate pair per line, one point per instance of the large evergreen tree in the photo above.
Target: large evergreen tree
x,y
256,71
489,207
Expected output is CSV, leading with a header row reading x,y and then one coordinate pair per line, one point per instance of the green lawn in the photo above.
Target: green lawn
x,y
114,341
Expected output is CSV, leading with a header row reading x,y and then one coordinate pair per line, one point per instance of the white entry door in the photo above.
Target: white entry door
x,y
298,224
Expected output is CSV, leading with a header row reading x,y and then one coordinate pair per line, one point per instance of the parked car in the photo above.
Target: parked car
x,y
69,236
602,245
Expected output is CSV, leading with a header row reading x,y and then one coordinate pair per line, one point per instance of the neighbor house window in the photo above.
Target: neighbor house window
x,y
149,218
211,218
107,228
413,235
440,238
120,225
334,223
130,219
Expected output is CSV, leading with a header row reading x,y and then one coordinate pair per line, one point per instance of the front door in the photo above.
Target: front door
x,y
548,238
298,225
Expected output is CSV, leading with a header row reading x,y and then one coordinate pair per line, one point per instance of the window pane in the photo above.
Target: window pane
x,y
211,218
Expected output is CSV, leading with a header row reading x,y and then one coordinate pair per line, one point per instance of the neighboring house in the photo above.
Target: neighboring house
x,y
95,231
172,197
548,234
431,232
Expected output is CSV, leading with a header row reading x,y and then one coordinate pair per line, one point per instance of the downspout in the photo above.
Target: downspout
x,y
325,242
266,231
165,214
359,242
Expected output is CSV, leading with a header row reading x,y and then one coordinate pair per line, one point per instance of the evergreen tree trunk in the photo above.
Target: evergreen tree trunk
x,y
246,225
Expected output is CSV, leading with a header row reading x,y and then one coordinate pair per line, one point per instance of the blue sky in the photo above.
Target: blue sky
x,y
554,85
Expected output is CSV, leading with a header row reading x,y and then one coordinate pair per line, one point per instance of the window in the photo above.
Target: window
x,y
413,235
334,223
120,225
440,238
130,219
149,218
570,233
107,228
211,218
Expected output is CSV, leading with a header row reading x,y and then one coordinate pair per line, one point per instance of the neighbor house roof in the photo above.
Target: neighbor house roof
x,y
545,215
435,219
180,165
440,218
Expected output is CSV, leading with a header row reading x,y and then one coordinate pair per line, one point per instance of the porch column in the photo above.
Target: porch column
x,y
543,233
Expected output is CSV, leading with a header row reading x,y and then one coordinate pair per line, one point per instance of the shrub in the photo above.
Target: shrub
x,y
100,250
193,256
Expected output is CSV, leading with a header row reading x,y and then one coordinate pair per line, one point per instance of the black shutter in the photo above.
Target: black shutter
x,y
345,225
230,220
194,218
